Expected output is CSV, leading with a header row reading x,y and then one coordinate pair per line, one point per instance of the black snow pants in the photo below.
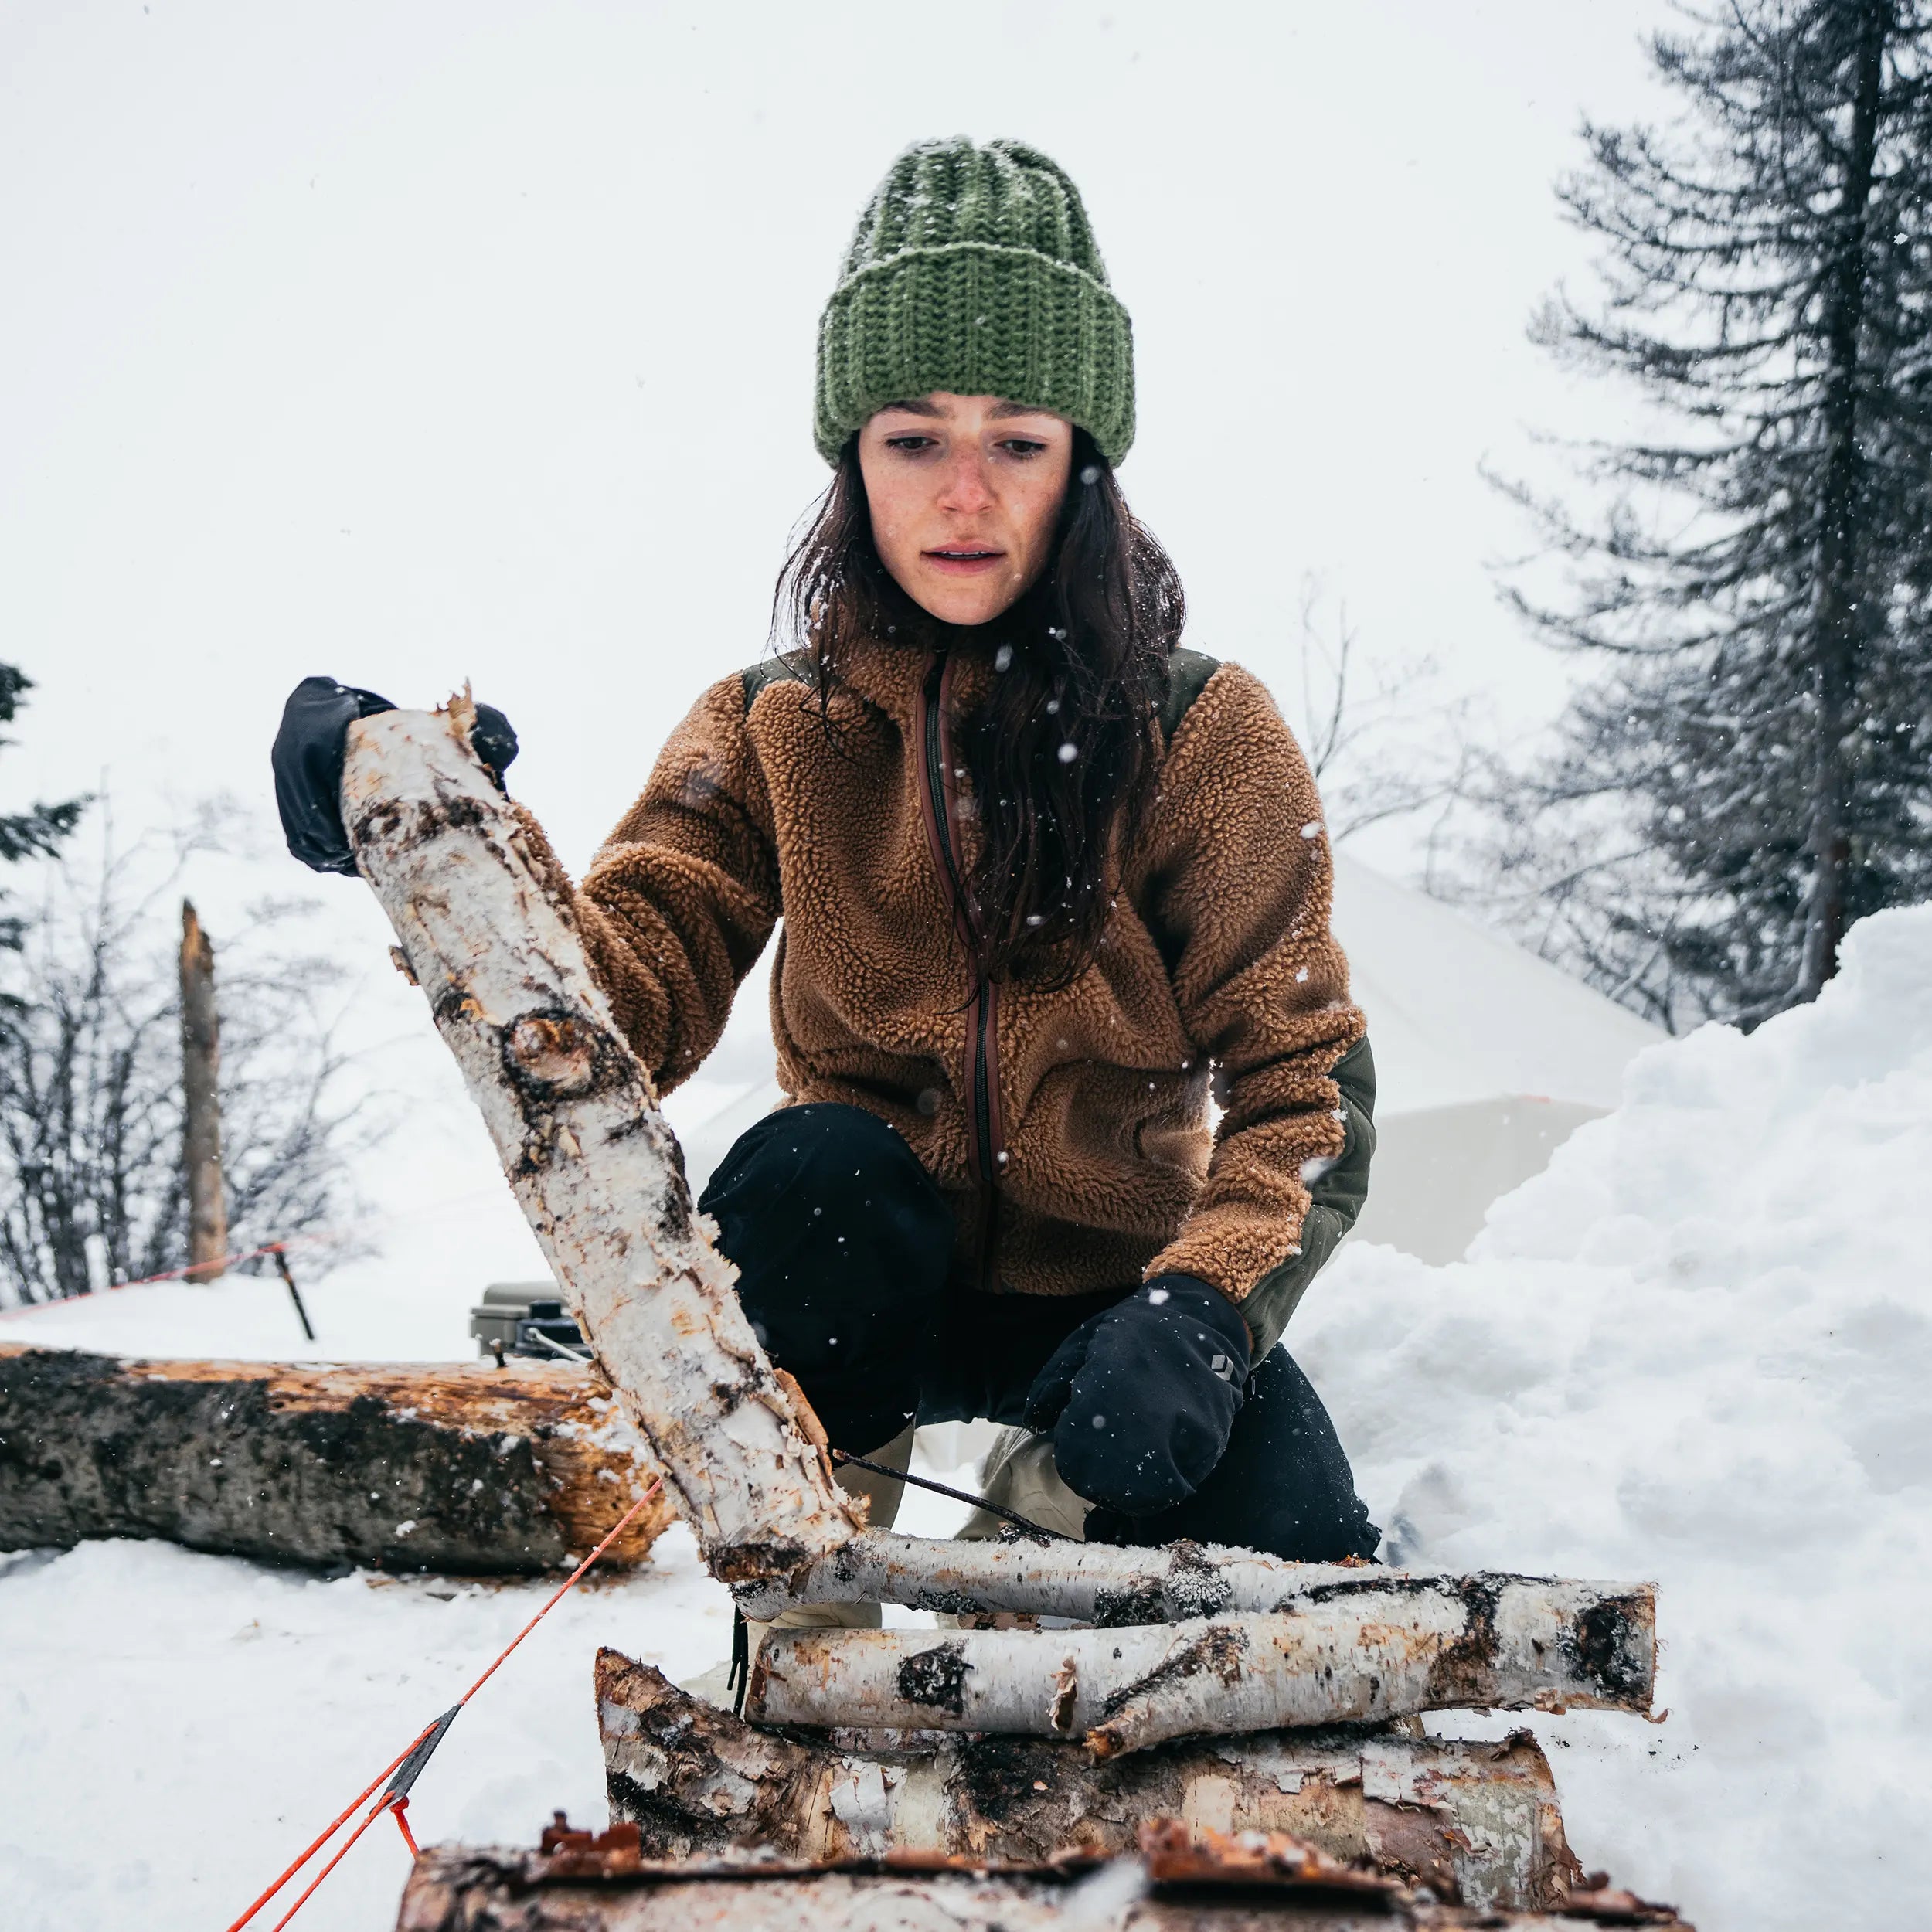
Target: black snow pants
x,y
843,1246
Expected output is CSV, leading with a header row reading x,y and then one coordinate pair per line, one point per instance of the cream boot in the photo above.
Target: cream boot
x,y
1019,1475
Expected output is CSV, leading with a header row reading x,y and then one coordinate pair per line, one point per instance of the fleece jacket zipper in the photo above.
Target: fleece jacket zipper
x,y
981,1055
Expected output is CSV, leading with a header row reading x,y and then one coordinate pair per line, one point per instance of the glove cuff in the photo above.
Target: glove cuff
x,y
1207,1304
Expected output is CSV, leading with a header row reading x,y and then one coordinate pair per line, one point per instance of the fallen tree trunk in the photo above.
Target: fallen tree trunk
x,y
1182,1879
489,932
1477,1823
459,1468
1390,1646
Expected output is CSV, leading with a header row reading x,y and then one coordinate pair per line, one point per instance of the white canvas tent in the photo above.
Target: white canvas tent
x,y
1487,1058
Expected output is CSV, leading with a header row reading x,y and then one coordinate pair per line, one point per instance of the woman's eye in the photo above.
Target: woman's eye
x,y
1023,447
909,445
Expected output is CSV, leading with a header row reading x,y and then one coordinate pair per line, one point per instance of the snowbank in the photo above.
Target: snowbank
x,y
1698,1349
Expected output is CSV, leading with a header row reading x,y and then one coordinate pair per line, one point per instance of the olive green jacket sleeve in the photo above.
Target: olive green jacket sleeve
x,y
1243,880
1335,1196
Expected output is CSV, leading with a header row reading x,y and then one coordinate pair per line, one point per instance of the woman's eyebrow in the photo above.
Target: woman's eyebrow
x,y
921,407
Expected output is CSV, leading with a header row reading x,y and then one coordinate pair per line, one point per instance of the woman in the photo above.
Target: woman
x,y
1044,877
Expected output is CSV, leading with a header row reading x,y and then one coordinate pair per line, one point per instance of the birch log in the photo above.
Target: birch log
x,y
1184,1880
1609,1629
490,934
454,1889
1418,1644
1478,1824
1090,1583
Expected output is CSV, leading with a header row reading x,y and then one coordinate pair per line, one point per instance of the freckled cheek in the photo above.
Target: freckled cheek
x,y
1030,543
889,535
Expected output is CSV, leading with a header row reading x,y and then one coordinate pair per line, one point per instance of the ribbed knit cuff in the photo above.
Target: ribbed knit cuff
x,y
976,318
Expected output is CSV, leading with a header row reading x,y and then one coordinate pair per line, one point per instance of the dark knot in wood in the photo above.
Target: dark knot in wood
x,y
556,1055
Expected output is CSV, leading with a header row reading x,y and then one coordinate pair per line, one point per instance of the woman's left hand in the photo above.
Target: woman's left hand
x,y
1140,1399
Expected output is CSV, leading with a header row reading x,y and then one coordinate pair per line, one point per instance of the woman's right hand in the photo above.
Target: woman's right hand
x,y
308,760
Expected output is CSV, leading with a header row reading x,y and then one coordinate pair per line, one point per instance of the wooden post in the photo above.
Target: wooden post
x,y
201,1103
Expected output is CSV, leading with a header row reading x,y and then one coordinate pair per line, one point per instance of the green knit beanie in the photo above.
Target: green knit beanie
x,y
974,269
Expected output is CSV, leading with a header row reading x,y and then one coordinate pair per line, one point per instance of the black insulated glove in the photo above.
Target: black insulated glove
x,y
1140,1399
308,760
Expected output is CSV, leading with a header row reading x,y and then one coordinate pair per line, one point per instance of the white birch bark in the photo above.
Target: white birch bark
x,y
493,943
1416,1643
1090,1583
1102,1584
1479,1824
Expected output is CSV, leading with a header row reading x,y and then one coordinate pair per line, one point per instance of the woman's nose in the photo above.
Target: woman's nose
x,y
965,488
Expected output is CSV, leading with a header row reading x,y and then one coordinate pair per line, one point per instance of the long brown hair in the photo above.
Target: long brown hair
x,y
1083,661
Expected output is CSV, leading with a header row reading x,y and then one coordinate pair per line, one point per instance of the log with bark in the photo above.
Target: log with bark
x,y
488,929
461,1467
1182,1879
1477,1823
1382,1644
1102,1584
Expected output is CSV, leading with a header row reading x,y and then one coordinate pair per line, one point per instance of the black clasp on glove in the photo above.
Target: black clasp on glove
x,y
307,760
1140,1399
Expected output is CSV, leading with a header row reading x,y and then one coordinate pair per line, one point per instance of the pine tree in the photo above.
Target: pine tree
x,y
1751,769
34,833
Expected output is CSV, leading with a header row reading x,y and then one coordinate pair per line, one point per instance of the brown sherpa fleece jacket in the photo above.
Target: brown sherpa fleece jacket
x,y
1068,1128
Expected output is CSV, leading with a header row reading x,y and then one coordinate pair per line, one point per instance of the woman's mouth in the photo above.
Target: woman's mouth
x,y
964,559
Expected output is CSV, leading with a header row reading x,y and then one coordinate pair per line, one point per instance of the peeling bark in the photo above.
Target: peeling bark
x,y
462,1468
1183,1879
492,938
1477,1823
451,1890
1386,1646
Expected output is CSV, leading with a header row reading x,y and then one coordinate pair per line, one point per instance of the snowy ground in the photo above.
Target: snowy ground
x,y
1697,1350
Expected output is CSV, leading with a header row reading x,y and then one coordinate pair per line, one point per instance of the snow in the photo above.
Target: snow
x,y
1696,1349
179,1726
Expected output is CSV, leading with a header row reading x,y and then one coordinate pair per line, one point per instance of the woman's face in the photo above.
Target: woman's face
x,y
965,491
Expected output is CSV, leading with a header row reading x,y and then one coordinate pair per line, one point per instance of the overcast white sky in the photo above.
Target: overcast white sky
x,y
416,343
